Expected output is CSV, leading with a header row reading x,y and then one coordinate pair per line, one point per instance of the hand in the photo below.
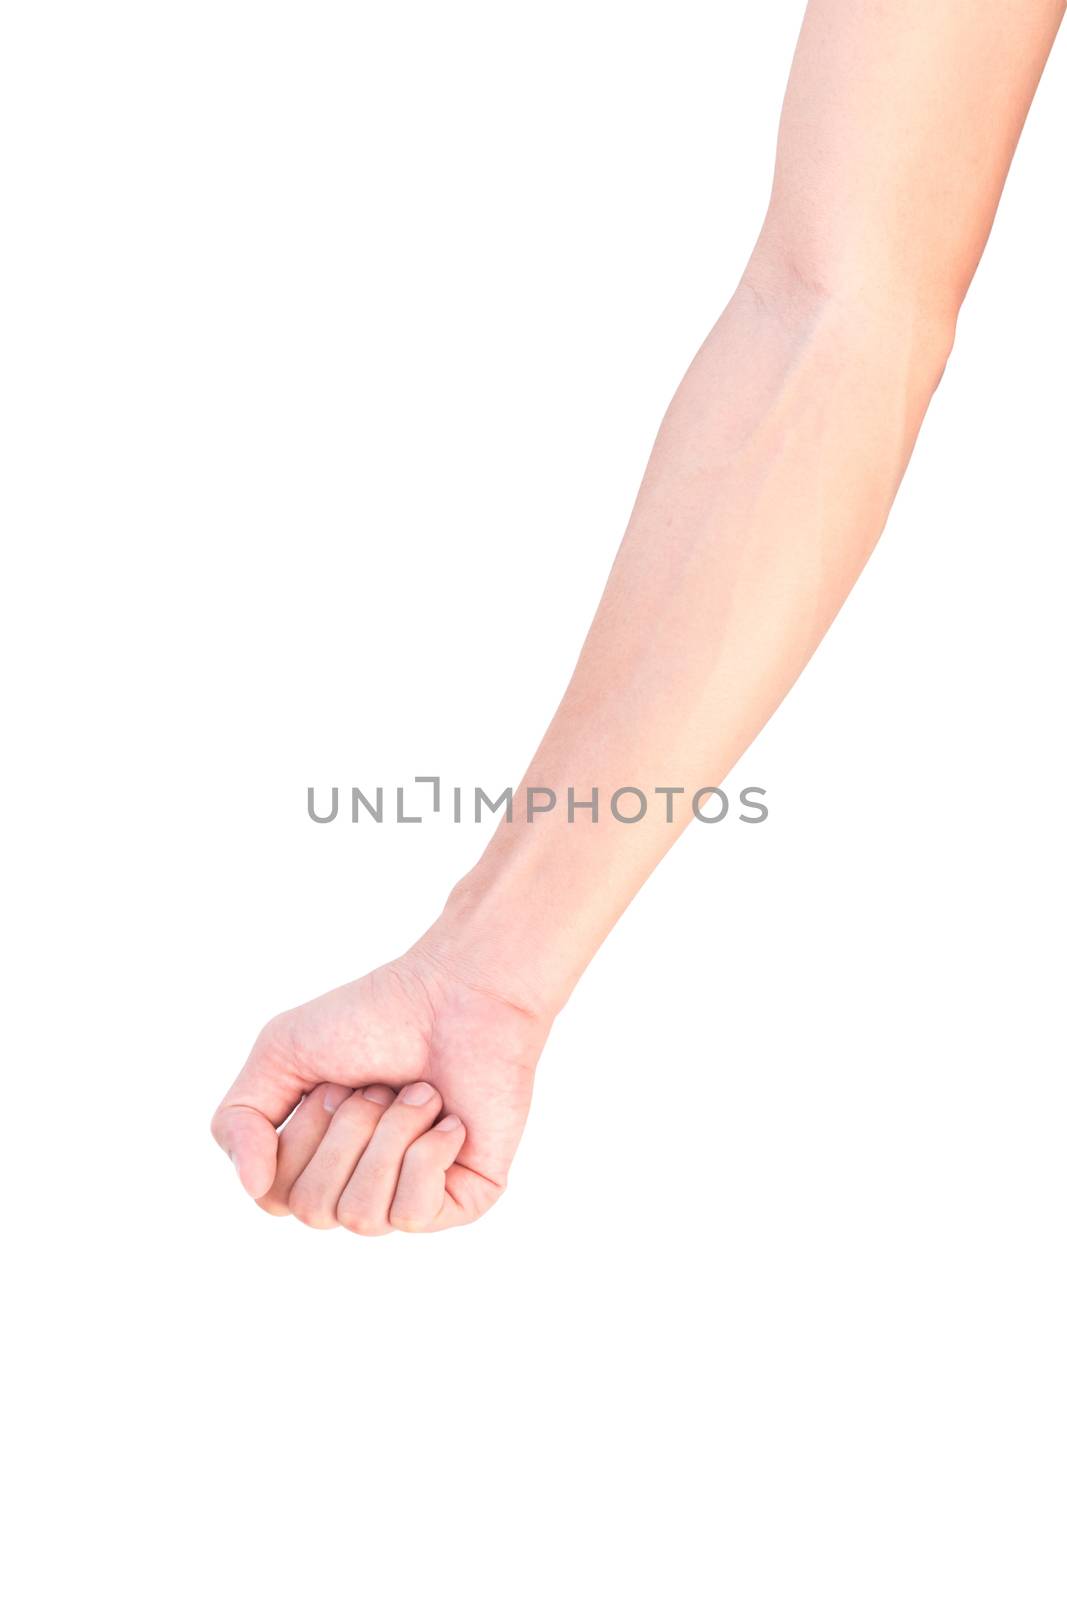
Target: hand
x,y
354,1152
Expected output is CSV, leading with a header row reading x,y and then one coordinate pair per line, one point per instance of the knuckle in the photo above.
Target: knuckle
x,y
308,1209
319,1220
404,1222
407,1215
419,1158
407,1113
352,1109
356,1220
373,1173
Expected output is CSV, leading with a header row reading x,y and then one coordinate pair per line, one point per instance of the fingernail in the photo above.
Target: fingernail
x,y
333,1097
378,1093
448,1124
417,1094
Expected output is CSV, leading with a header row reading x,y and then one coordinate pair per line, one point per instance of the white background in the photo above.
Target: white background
x,y
335,337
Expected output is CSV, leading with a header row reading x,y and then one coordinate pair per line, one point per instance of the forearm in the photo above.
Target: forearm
x,y
767,488
777,461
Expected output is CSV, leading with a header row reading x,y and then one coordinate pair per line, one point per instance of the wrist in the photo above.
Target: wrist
x,y
493,936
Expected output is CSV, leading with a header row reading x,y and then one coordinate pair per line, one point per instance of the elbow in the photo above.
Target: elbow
x,y
874,312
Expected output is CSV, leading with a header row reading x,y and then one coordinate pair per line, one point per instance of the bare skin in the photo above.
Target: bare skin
x,y
371,1164
768,487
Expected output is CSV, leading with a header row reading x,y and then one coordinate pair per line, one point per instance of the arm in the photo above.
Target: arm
x,y
779,457
768,486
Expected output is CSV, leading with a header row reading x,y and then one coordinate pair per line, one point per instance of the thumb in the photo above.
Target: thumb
x,y
267,1088
249,1139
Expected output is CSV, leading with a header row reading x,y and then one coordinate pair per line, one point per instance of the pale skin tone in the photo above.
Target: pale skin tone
x,y
769,484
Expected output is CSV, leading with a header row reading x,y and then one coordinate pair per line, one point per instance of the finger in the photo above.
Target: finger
x,y
298,1141
364,1205
314,1195
420,1191
264,1093
251,1143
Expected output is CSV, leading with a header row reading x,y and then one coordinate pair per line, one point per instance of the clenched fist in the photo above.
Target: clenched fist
x,y
403,1097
